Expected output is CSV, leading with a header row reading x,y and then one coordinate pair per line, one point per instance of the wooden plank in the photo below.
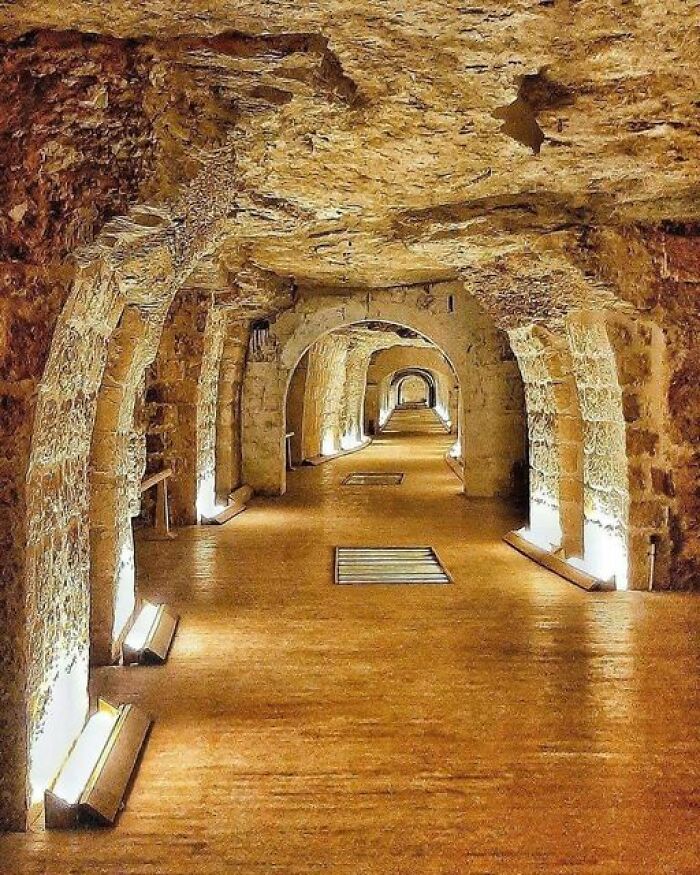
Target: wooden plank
x,y
156,478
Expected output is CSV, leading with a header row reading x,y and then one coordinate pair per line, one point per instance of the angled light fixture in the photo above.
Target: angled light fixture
x,y
93,779
150,637
570,569
237,502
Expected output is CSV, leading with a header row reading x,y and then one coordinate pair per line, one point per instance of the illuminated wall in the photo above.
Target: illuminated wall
x,y
207,412
605,481
412,390
554,439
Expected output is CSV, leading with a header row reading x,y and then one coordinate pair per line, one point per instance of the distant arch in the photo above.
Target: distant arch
x,y
398,382
489,381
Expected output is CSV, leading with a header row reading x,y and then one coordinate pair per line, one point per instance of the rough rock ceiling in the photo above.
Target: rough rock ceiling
x,y
400,142
375,337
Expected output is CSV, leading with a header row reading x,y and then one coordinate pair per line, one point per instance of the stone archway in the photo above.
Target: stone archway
x,y
473,346
424,385
139,261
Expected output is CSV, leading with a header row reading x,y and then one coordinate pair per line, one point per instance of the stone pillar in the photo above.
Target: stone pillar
x,y
172,393
555,439
605,480
114,485
263,427
207,411
228,416
493,415
371,415
326,383
295,410
353,402
569,433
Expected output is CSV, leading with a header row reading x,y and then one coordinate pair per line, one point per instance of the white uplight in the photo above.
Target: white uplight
x,y
125,594
604,553
84,756
62,721
545,526
351,441
328,445
537,539
207,505
141,630
443,413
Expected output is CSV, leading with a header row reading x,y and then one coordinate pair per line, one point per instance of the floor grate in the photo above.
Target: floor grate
x,y
388,565
374,478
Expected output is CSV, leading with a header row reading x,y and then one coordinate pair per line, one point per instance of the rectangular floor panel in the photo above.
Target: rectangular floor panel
x,y
408,565
374,478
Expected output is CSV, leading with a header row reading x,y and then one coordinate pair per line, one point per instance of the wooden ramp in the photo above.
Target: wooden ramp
x,y
412,420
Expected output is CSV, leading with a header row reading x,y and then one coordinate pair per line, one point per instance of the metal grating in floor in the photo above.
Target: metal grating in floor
x,y
374,478
388,565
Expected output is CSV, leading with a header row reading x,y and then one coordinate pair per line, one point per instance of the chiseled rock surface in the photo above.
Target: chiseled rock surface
x,y
469,129
544,152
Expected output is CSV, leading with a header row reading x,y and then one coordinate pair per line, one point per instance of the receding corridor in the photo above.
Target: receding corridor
x,y
508,722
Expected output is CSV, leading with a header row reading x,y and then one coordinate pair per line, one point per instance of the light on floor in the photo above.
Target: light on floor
x,y
328,446
95,774
150,637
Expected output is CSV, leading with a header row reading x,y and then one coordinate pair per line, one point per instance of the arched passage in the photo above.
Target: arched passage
x,y
492,416
327,392
414,385
134,268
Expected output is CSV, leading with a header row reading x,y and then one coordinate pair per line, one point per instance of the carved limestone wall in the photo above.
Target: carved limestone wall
x,y
208,409
641,359
554,438
228,413
657,268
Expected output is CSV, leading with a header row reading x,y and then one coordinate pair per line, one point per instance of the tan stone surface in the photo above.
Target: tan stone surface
x,y
538,160
508,722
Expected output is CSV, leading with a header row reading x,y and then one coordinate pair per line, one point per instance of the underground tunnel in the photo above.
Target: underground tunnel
x,y
349,423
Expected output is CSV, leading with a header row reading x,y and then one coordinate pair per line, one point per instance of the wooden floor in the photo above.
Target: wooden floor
x,y
415,420
506,723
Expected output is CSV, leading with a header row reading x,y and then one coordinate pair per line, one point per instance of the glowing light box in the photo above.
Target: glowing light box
x,y
151,636
93,779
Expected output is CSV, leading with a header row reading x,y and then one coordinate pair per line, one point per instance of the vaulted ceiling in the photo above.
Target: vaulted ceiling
x,y
401,142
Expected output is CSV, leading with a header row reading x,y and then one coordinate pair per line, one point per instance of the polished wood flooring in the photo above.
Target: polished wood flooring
x,y
507,723
415,420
